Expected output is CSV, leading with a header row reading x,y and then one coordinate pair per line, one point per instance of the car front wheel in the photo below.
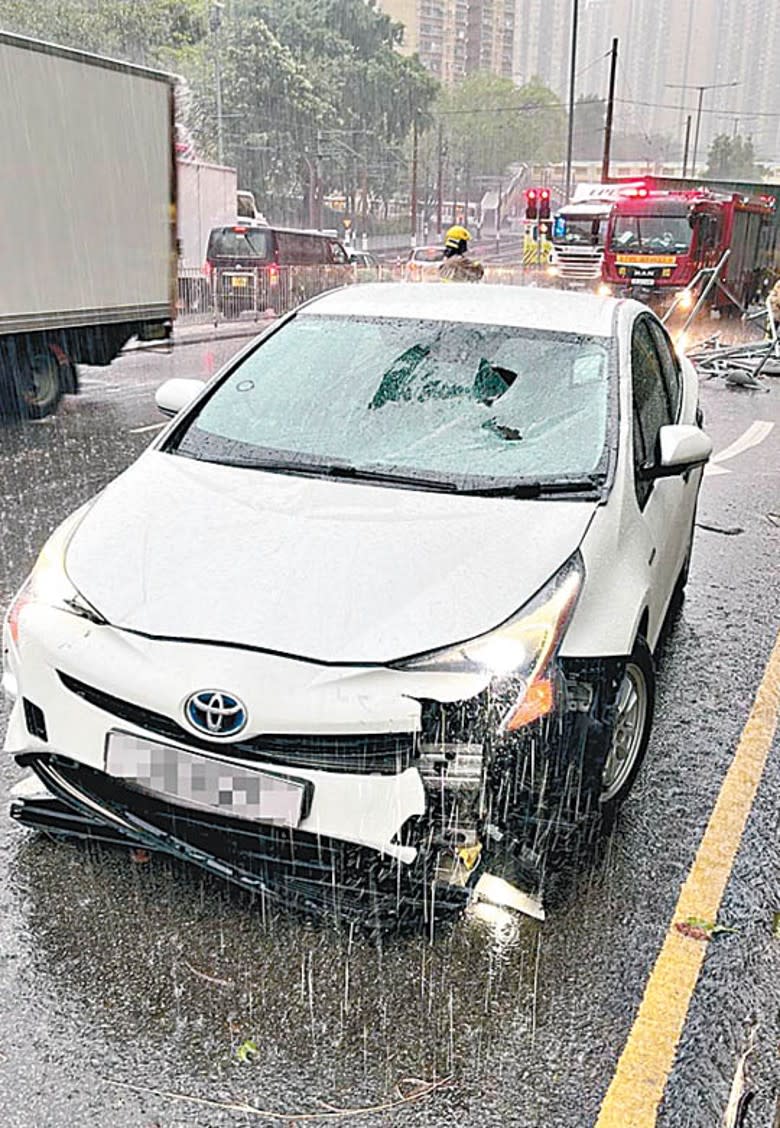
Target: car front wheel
x,y
631,730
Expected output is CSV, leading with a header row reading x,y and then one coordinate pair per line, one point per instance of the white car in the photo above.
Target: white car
x,y
375,616
423,264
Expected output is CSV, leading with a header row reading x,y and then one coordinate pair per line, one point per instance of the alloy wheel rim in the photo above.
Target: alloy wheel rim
x,y
631,713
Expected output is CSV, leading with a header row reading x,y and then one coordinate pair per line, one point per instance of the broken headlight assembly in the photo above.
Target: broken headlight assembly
x,y
520,653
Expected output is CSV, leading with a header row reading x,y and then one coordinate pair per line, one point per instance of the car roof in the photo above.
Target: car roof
x,y
522,306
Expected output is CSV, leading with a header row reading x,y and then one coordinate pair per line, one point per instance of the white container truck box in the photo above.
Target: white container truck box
x,y
207,195
88,206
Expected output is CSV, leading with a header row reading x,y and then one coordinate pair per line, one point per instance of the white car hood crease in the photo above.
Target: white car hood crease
x,y
331,571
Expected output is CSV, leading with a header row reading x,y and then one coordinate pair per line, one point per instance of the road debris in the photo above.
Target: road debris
x,y
419,1091
697,928
740,1097
247,1051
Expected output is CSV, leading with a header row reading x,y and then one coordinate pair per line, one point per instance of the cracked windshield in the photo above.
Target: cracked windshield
x,y
389,526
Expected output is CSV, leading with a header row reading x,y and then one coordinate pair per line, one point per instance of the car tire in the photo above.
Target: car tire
x,y
633,720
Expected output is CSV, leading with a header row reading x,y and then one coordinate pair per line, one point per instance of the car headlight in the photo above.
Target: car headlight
x,y
48,583
522,649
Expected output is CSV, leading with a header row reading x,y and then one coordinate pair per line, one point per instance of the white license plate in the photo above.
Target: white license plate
x,y
205,781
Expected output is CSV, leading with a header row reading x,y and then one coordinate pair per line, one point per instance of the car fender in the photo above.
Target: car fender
x,y
613,601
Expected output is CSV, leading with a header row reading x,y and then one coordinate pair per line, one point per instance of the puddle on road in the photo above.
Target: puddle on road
x,y
182,970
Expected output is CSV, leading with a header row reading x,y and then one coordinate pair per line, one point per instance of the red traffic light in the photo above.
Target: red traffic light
x,y
544,203
531,211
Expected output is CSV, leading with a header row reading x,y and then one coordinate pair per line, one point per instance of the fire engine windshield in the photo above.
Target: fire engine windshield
x,y
582,231
645,233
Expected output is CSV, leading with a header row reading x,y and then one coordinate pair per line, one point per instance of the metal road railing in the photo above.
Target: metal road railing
x,y
239,293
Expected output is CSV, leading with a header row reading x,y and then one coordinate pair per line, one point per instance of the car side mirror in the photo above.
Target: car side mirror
x,y
681,447
176,394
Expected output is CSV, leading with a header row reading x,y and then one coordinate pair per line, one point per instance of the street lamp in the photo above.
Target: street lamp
x,y
215,23
701,88
572,77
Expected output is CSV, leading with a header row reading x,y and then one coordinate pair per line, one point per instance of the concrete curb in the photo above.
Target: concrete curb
x,y
203,334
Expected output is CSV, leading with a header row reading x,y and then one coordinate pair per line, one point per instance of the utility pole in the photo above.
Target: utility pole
x,y
498,217
215,23
413,202
364,201
572,76
318,181
687,145
440,180
610,113
701,89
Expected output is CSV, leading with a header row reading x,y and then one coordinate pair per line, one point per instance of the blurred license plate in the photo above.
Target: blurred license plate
x,y
239,282
203,781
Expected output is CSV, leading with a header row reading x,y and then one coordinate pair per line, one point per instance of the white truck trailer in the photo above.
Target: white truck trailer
x,y
208,197
88,204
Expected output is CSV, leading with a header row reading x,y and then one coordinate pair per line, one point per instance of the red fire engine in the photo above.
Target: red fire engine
x,y
658,242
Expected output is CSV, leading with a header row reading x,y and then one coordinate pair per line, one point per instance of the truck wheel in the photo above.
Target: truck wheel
x,y
39,385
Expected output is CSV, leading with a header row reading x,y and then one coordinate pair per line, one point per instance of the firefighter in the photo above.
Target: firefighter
x,y
457,267
773,301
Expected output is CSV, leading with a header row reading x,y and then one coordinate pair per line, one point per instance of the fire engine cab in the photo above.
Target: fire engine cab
x,y
658,242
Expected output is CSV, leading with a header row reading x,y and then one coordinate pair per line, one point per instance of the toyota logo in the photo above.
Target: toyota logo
x,y
215,713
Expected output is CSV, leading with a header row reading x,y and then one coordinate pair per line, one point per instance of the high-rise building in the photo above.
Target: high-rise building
x,y
457,37
663,43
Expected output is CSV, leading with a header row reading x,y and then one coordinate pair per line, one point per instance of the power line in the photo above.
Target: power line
x,y
691,109
588,67
525,108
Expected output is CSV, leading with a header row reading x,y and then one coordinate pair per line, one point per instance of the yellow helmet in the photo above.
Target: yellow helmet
x,y
456,235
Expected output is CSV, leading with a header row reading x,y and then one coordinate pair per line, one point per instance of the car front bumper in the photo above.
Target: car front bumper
x,y
414,793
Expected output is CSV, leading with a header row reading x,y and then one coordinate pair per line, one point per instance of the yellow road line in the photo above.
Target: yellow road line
x,y
638,1085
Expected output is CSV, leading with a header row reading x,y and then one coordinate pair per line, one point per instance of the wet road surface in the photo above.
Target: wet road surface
x,y
115,973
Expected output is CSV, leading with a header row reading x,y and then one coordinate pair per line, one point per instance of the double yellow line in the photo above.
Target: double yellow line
x,y
639,1081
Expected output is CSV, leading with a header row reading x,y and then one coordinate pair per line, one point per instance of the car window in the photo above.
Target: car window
x,y
240,243
670,368
337,252
461,402
300,248
651,409
428,254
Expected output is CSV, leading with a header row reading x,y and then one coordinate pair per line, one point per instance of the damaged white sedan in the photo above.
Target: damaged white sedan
x,y
375,616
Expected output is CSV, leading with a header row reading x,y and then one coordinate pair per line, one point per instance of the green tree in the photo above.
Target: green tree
x,y
152,32
489,123
733,158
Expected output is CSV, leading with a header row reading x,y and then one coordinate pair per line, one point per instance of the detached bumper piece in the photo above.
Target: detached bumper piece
x,y
313,874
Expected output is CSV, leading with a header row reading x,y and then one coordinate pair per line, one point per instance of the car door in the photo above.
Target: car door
x,y
660,501
672,374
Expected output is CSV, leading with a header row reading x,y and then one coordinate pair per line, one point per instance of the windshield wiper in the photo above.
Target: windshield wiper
x,y
531,489
344,471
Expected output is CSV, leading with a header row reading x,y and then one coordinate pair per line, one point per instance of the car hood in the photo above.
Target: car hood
x,y
321,569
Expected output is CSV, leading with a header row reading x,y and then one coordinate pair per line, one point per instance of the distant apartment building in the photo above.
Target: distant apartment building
x,y
663,43
458,37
